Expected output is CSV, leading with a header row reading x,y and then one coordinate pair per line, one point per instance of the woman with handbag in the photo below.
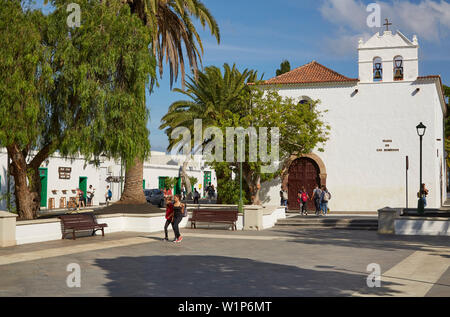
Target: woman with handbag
x,y
178,214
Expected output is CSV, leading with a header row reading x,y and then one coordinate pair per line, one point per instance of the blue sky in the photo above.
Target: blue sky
x,y
259,34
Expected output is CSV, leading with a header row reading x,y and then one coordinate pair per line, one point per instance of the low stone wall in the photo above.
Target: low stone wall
x,y
422,226
391,221
50,229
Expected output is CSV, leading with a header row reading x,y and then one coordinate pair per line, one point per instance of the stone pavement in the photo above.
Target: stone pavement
x,y
285,261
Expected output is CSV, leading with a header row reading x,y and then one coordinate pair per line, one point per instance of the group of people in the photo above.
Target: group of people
x,y
175,211
83,200
321,196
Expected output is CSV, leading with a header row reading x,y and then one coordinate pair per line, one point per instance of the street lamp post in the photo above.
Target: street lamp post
x,y
421,129
241,203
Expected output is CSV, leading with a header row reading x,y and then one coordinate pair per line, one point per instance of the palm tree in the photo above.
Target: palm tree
x,y
170,23
209,96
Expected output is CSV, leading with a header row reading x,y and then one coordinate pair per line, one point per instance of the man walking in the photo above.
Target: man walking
x,y
196,196
108,195
317,194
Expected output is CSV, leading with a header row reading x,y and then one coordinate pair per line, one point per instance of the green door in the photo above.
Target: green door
x,y
162,182
178,187
143,184
206,180
43,173
83,185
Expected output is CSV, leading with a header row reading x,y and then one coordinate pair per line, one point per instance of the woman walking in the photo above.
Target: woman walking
x,y
304,199
178,210
423,194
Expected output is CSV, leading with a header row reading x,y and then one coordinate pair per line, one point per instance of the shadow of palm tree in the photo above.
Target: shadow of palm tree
x,y
217,276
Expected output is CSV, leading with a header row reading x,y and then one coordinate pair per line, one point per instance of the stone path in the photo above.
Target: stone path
x,y
285,261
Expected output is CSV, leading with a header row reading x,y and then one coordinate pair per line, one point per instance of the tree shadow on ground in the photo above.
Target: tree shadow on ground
x,y
217,276
364,239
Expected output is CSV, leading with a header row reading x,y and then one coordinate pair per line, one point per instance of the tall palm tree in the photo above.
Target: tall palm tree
x,y
208,97
172,28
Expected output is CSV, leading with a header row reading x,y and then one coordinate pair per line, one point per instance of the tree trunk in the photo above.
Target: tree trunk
x,y
186,180
27,185
133,193
254,184
255,189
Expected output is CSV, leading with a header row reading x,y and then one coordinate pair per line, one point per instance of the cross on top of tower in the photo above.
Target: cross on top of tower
x,y
387,24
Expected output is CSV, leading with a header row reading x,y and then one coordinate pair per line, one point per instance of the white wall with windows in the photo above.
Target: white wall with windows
x,y
58,185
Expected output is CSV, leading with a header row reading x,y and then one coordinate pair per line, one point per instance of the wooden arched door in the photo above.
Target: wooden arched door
x,y
303,172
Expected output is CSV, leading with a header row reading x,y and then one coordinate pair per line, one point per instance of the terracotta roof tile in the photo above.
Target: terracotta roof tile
x,y
309,73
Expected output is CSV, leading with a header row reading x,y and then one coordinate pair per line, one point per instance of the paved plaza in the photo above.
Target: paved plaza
x,y
283,261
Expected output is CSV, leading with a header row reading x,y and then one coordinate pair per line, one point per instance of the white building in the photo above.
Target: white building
x,y
60,177
373,123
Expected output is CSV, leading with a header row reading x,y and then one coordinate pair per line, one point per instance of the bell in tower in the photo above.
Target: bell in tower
x,y
378,71
398,68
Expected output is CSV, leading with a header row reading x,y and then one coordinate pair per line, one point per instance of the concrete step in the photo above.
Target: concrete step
x,y
368,228
314,222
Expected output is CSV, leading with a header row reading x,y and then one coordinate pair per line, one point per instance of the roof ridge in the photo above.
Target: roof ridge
x,y
310,72
291,70
333,71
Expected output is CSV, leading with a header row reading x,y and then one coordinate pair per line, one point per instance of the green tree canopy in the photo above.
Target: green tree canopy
x,y
76,90
285,67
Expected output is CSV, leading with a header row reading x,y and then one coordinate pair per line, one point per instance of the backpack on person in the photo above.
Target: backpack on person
x,y
109,193
326,196
304,197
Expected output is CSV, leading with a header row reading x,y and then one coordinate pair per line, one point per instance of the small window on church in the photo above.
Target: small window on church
x,y
304,100
377,69
398,68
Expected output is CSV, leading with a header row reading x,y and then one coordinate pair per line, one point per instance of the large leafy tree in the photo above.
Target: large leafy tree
x,y
174,37
78,98
300,126
23,73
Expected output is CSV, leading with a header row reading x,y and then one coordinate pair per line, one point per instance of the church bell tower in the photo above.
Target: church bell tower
x,y
388,57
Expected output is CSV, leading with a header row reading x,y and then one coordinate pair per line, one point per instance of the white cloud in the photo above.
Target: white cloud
x,y
429,19
345,13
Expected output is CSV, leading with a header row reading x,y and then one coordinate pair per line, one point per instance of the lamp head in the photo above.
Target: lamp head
x,y
421,128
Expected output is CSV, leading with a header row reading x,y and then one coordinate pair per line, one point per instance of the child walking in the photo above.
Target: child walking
x,y
169,216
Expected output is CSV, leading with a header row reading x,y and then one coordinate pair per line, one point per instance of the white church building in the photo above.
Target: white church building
x,y
373,122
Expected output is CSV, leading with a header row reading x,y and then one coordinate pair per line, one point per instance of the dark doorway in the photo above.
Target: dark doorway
x,y
303,172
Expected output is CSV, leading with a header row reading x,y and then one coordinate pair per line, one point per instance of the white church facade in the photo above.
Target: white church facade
x,y
373,122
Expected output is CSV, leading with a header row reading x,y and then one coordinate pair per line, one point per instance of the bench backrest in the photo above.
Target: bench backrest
x,y
215,214
79,219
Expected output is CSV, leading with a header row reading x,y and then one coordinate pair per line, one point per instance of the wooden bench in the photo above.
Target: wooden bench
x,y
214,216
80,222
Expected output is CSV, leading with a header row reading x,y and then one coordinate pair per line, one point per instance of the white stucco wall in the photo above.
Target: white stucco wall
x,y
359,177
157,165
